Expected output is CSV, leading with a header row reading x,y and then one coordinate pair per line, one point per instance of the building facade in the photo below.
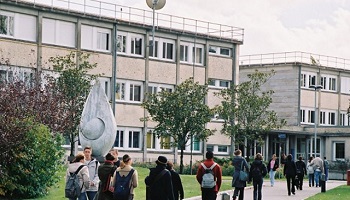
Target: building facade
x,y
31,33
302,106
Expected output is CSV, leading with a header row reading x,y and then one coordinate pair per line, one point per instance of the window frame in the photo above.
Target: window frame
x,y
9,25
127,91
334,150
216,50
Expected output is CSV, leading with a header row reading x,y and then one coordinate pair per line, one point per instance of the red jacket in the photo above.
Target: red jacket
x,y
217,173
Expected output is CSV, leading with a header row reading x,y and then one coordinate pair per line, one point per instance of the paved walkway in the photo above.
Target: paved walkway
x,y
279,191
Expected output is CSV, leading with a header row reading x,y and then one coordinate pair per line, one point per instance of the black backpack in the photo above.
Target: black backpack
x,y
122,186
73,189
257,171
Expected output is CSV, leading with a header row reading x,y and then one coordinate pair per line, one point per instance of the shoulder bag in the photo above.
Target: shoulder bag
x,y
243,176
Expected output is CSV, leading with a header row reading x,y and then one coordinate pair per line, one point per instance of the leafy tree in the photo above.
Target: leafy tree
x,y
75,84
245,109
181,115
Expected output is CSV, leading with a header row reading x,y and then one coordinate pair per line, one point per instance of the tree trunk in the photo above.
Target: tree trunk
x,y
181,160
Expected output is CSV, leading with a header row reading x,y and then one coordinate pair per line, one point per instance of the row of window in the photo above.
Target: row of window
x,y
63,33
328,82
307,116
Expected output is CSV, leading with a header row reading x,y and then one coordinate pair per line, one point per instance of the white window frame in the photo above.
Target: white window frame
x,y
133,131
309,116
303,80
215,149
58,32
122,45
322,118
126,95
332,84
103,39
96,39
156,142
215,50
156,87
302,116
161,47
345,85
10,17
334,152
184,48
191,54
106,85
120,134
188,146
332,118
133,39
216,83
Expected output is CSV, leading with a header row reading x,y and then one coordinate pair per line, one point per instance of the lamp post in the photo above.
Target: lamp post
x,y
315,87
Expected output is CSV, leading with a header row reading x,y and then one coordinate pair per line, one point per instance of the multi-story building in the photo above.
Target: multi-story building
x,y
31,33
296,100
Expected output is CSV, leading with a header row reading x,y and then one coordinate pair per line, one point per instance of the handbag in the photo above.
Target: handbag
x,y
243,176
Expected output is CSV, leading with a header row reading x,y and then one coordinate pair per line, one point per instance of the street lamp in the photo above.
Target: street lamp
x,y
315,87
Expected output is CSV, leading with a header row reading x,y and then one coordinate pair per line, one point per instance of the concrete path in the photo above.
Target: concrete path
x,y
279,191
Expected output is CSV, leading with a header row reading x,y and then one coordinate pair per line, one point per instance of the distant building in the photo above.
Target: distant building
x,y
31,33
294,101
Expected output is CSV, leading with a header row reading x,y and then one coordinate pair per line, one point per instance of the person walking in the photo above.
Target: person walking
x,y
257,173
159,181
317,164
310,172
83,174
93,165
301,171
326,168
239,164
209,193
176,181
105,174
272,168
289,172
124,170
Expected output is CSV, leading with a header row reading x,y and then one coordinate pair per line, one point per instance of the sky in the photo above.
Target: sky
x,y
271,26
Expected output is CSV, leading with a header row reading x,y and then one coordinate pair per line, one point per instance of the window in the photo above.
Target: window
x,y
339,150
119,139
302,116
194,56
345,85
129,91
155,88
196,146
222,51
322,117
151,140
218,83
324,82
136,45
58,32
163,48
184,53
106,85
312,80
331,118
121,43
6,76
103,40
210,147
95,38
342,119
153,52
332,84
222,149
6,25
311,116
134,139
168,50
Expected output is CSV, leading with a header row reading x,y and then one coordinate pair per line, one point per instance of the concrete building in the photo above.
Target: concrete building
x,y
31,33
294,101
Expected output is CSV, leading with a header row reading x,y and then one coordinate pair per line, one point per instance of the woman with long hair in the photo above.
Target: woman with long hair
x,y
290,171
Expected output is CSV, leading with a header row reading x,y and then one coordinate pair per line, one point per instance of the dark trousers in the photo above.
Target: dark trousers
x,y
300,181
208,194
290,182
240,191
311,180
257,184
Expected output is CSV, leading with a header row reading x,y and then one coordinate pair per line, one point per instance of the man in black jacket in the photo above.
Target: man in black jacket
x,y
257,173
301,171
176,180
159,181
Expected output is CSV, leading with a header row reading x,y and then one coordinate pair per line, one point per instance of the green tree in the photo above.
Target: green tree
x,y
75,84
181,115
245,109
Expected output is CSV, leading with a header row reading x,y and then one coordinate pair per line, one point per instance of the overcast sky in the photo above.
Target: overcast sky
x,y
271,26
315,26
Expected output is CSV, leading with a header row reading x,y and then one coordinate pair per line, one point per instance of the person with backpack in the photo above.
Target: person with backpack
x,y
92,165
326,168
105,174
125,180
272,168
317,164
290,171
176,181
257,173
77,179
209,176
301,171
158,182
239,163
310,172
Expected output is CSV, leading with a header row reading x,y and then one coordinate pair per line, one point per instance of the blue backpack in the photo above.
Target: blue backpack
x,y
73,189
122,186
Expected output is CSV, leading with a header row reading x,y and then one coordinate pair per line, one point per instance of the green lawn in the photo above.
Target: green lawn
x,y
190,184
338,193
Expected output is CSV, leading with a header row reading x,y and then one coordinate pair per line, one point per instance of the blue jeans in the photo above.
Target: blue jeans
x,y
91,194
81,197
317,177
272,177
326,173
311,180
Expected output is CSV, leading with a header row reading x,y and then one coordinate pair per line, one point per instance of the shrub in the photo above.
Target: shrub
x,y
35,163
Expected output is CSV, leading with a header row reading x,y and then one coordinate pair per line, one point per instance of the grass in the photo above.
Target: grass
x,y
189,182
338,193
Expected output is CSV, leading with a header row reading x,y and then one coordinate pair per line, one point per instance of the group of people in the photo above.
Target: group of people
x,y
98,182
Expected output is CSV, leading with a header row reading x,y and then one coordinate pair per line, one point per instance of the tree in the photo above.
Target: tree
x,y
75,84
181,115
245,109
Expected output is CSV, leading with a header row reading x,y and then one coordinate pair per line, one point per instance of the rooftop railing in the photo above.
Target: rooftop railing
x,y
143,17
295,57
